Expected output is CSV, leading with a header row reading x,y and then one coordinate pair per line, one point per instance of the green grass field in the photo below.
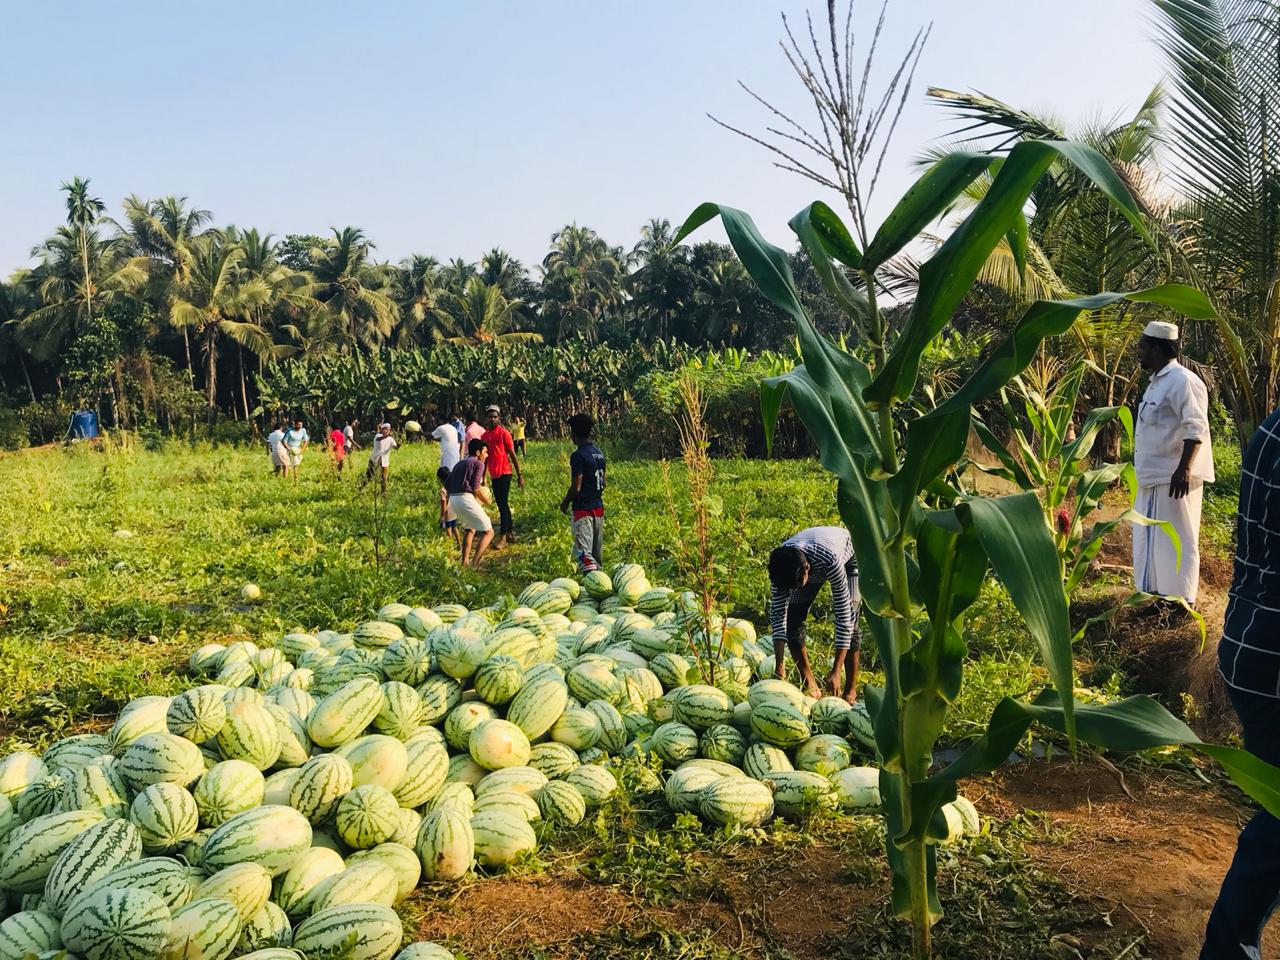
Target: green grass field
x,y
117,563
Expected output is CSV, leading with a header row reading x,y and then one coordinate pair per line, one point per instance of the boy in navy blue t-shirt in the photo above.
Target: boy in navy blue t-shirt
x,y
586,494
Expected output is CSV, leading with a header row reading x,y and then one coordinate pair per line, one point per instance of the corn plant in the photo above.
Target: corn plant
x,y
1053,460
924,548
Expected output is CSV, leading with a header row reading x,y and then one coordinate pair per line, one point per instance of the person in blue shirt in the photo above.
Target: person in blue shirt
x,y
585,494
296,441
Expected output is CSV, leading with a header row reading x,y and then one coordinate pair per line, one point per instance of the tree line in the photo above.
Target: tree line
x,y
115,306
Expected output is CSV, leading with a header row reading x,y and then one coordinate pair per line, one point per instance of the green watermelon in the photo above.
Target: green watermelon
x,y
112,923
428,765
247,885
439,694
501,837
355,932
31,850
250,734
197,714
274,837
561,802
408,660
577,727
736,801
594,782
206,929
400,857
366,816
367,881
552,759
322,782
538,706
779,724
171,880
166,816
226,789
446,845
29,932
499,679
344,714
376,759
293,892
495,744
89,857
268,928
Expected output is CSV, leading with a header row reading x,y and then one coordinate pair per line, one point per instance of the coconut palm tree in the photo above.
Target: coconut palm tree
x,y
582,278
420,294
482,313
345,285
662,285
163,231
217,298
78,271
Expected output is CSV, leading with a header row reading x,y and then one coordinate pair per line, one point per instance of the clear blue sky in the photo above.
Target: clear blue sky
x,y
447,128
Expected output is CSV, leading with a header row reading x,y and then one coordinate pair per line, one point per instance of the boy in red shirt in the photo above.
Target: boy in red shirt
x,y
502,458
338,446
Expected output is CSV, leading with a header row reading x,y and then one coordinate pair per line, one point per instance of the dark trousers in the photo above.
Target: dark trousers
x,y
802,599
1252,886
502,497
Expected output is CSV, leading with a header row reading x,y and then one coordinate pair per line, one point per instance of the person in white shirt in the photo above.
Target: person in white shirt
x,y
450,444
296,441
349,431
275,444
380,455
1173,459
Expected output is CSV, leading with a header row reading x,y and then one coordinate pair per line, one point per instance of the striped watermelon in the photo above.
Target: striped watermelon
x,y
376,633
446,845
799,794
197,714
537,706
244,695
462,769
293,645
860,726
671,669
99,787
295,745
723,742
684,786
171,880
89,857
247,885
425,950
501,837
458,652
543,671
367,881
226,789
29,932
343,715
112,923
406,828
321,783
594,680
830,715
206,660
44,796
968,815
395,612
420,621
376,759
193,850
72,753
449,612
825,754
139,717
673,743
779,724
166,816
577,727
160,758
402,860
519,779
357,932
439,694
701,706
32,849
857,789
401,712
594,782
464,718
236,674
250,734
408,660
454,796
272,953
266,929
552,759
597,584
205,929
308,871
499,679
521,803
762,759
495,744
736,801
272,836
561,802
298,702
428,765
366,816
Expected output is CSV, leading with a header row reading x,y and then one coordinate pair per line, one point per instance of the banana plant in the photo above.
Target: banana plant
x,y
924,548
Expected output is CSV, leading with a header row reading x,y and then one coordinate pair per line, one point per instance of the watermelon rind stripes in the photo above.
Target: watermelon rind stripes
x,y
32,849
357,932
117,923
89,857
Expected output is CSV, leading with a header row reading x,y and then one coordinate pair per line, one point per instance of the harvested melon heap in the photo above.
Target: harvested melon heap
x,y
281,809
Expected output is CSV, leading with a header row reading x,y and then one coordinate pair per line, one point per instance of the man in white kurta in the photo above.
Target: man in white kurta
x,y
1173,459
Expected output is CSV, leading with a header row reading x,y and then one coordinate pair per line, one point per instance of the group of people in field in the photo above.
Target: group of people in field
x,y
478,465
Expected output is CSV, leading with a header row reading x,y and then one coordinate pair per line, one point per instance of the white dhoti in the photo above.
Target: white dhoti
x,y
1155,561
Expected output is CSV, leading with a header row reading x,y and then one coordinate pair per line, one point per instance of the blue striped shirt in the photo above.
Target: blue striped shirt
x,y
1249,651
828,550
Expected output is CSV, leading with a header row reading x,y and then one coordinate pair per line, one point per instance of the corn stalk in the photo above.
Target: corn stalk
x,y
924,547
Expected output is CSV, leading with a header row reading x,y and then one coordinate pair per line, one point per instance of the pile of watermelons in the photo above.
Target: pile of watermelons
x,y
279,810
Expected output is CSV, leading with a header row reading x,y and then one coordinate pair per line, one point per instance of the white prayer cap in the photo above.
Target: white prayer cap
x,y
384,426
1159,330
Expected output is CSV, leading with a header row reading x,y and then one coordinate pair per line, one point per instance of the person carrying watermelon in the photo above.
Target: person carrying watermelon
x,y
797,571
